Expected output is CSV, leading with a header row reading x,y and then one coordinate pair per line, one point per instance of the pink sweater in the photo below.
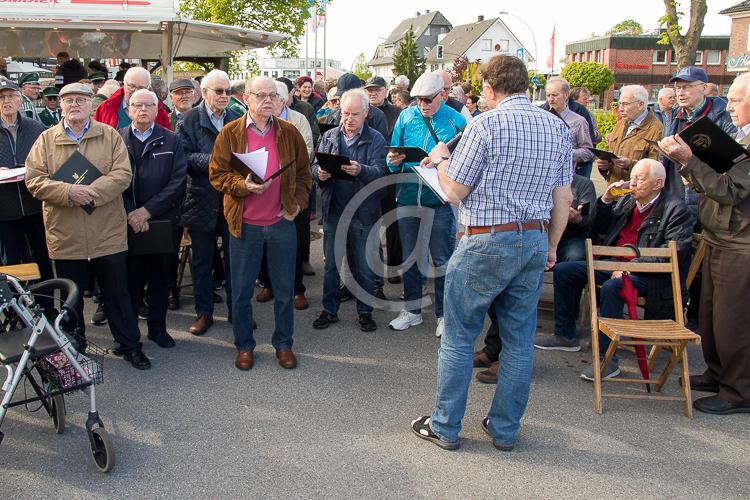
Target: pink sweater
x,y
263,209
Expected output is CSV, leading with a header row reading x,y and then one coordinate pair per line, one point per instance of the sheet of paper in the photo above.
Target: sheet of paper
x,y
430,176
12,174
257,161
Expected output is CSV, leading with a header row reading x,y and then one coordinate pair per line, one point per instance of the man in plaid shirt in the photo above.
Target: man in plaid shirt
x,y
511,174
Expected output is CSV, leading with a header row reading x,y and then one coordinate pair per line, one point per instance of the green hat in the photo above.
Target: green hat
x,y
50,92
97,76
28,78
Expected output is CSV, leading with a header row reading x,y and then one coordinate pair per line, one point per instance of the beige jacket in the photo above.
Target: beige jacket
x,y
300,123
632,146
73,234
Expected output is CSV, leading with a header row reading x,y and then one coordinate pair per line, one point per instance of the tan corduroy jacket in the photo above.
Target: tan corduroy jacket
x,y
633,146
296,181
72,233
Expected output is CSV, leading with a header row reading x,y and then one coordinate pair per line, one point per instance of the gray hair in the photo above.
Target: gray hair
x,y
655,168
562,81
137,72
282,90
356,93
402,80
667,90
109,88
743,80
213,75
257,78
238,87
147,92
638,91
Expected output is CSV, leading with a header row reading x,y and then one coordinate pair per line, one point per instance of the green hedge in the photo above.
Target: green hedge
x,y
606,121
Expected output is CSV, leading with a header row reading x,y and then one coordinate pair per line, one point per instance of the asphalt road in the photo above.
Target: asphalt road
x,y
338,426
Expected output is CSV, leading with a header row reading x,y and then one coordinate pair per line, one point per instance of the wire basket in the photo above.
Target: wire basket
x,y
61,374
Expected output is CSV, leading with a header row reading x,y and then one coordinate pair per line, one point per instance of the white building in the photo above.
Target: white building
x,y
292,68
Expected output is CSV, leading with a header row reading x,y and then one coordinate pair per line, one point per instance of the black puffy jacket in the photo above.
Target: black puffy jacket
x,y
15,199
203,203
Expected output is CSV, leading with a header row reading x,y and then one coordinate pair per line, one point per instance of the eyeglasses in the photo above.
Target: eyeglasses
x,y
622,104
78,101
677,88
142,105
135,87
346,114
263,96
221,91
427,100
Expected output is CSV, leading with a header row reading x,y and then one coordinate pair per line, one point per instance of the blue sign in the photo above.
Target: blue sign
x,y
519,53
534,79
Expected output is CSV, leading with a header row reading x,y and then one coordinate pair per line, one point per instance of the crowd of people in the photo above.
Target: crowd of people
x,y
515,199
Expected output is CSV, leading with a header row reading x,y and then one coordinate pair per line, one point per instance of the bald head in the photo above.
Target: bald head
x,y
136,78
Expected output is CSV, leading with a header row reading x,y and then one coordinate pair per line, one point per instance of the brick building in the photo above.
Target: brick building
x,y
738,59
639,59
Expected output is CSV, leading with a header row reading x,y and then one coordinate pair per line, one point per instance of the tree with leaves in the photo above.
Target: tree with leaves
x,y
406,59
626,27
361,69
594,76
685,45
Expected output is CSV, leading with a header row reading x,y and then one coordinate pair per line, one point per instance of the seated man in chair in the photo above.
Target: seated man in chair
x,y
647,217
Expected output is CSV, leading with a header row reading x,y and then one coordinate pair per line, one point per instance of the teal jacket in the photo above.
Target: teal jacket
x,y
411,131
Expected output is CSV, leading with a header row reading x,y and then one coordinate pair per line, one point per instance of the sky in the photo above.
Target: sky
x,y
356,26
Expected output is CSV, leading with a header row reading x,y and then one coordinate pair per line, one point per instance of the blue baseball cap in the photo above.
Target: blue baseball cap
x,y
690,74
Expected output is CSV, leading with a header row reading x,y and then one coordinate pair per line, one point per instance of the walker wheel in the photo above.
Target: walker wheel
x,y
102,450
58,413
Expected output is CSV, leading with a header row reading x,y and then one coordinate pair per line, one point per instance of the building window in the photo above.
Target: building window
x,y
439,51
655,92
486,44
265,73
274,74
660,57
427,31
599,56
502,46
713,57
699,58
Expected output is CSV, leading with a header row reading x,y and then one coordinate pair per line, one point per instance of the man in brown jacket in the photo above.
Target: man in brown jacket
x,y
262,215
724,211
77,238
628,139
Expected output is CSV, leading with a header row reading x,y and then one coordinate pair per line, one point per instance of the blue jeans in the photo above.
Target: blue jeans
x,y
280,240
202,245
503,271
573,248
569,279
439,242
357,236
585,168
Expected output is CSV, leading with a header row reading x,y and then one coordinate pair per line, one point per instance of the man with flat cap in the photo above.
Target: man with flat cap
x,y
78,237
97,79
50,115
30,88
182,95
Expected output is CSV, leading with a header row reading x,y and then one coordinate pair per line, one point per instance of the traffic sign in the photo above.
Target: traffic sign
x,y
519,53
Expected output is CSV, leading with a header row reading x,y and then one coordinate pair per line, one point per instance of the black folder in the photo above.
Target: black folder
x,y
158,239
325,127
603,155
413,155
77,170
332,164
711,145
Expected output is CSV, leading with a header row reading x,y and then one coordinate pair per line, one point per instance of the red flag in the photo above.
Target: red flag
x,y
551,56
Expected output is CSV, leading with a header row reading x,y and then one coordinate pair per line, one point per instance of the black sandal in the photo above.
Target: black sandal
x,y
421,427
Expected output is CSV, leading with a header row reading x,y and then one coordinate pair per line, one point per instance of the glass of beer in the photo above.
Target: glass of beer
x,y
620,191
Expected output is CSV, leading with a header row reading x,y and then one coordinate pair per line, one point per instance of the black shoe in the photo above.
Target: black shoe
x,y
702,383
421,427
394,280
307,269
173,303
324,320
229,317
88,293
344,294
99,317
366,323
717,406
378,294
217,298
137,359
255,325
142,310
162,340
117,350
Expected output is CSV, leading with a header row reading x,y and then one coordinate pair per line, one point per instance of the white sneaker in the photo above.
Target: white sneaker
x,y
440,328
405,320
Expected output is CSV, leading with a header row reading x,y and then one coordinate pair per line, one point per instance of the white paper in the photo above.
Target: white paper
x,y
12,175
430,177
257,161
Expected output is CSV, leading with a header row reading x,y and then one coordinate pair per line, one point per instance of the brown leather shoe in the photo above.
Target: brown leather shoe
x,y
481,360
300,302
287,359
201,324
489,376
244,360
264,295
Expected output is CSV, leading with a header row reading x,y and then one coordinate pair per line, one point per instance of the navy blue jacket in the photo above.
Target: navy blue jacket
x,y
15,200
203,203
369,152
159,177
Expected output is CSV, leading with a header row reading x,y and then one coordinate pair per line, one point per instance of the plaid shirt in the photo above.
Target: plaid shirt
x,y
512,157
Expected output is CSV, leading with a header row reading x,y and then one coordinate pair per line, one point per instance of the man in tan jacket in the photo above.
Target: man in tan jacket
x,y
77,238
629,138
262,215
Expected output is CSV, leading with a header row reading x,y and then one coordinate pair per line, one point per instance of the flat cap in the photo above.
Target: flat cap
x,y
98,76
181,83
427,85
376,81
6,84
28,78
76,88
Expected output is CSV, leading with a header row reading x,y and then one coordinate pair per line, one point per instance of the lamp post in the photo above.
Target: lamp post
x,y
536,58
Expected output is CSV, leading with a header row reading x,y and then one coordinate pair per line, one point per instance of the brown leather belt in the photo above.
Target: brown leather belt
x,y
529,225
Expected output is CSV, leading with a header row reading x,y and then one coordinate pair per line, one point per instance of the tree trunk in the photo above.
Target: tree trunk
x,y
685,45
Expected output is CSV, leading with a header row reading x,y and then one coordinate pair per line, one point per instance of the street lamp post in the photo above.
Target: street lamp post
x,y
536,54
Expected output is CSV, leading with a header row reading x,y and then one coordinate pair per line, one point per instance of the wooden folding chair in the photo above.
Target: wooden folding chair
x,y
627,332
22,272
184,256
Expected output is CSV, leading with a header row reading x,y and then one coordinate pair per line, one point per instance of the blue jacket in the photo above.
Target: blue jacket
x,y
370,154
158,182
411,131
15,200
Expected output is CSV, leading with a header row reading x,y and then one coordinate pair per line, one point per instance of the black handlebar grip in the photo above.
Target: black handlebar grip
x,y
65,285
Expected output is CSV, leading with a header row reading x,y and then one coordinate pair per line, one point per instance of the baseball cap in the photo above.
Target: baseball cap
x,y
690,74
376,81
427,85
347,81
8,85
